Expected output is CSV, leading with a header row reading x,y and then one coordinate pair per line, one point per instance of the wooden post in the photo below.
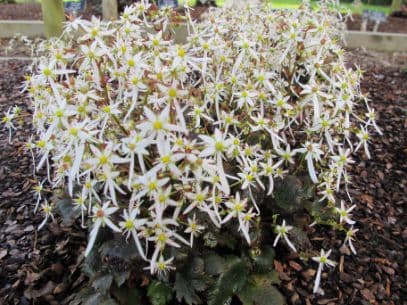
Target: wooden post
x,y
396,5
53,14
110,10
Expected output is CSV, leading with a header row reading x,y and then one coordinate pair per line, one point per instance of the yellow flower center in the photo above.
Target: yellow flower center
x,y
129,224
162,238
158,125
166,159
238,207
219,147
200,197
103,159
172,93
47,72
152,186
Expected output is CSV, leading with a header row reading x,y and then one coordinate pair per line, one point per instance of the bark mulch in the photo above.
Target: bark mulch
x,y
32,11
378,274
43,267
34,265
391,25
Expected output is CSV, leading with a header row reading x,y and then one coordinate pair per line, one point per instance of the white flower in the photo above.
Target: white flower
x,y
344,213
162,266
158,125
349,238
363,136
101,217
217,146
194,229
168,158
237,209
312,152
7,120
47,213
131,225
282,231
342,159
322,260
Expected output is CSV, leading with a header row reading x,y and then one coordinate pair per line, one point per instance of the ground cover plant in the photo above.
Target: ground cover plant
x,y
189,163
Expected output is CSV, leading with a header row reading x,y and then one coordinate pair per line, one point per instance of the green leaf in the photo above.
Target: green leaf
x,y
321,210
82,296
197,274
210,240
159,293
214,264
230,282
191,279
68,211
92,264
252,293
185,291
126,295
102,282
227,240
266,279
263,261
109,301
95,299
300,239
121,277
288,194
119,248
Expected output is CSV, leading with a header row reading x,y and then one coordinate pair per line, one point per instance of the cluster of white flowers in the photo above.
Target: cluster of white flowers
x,y
172,136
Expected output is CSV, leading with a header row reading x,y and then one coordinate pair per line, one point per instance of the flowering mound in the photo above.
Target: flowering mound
x,y
168,142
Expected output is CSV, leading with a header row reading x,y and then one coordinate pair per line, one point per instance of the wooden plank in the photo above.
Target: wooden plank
x,y
29,28
387,42
53,14
110,10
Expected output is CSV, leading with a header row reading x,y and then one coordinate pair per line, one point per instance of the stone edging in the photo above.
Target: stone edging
x,y
389,42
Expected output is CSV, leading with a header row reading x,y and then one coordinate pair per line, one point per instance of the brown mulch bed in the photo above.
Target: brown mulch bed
x,y
26,11
378,274
40,267
43,265
391,25
32,11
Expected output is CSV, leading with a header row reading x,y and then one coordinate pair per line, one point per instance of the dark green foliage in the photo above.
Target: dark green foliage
x,y
159,293
82,296
300,239
109,301
185,291
126,295
263,259
288,194
321,211
102,283
95,299
214,264
253,293
68,211
218,269
190,279
229,282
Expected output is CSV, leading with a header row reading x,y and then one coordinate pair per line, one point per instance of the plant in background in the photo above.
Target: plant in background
x,y
179,158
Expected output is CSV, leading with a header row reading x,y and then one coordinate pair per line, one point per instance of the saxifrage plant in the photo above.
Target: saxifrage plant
x,y
180,159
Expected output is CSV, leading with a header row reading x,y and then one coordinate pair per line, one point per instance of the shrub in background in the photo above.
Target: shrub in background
x,y
182,159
